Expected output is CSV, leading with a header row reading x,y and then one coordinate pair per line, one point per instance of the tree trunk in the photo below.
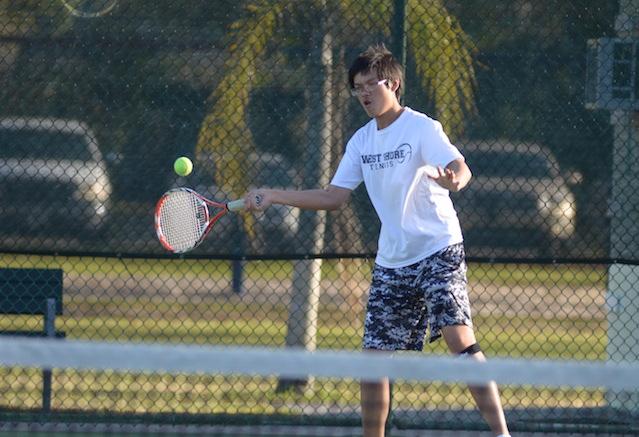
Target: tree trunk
x,y
303,309
346,233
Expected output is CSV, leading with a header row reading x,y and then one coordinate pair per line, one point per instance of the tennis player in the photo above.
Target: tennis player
x,y
419,278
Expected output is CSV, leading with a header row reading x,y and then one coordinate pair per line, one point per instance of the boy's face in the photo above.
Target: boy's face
x,y
375,96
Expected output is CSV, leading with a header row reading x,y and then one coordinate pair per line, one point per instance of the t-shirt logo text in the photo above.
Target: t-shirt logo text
x,y
379,161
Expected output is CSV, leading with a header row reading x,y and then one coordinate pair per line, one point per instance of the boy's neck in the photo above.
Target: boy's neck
x,y
387,118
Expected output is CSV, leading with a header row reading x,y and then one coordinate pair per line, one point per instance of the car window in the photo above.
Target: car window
x,y
22,144
500,164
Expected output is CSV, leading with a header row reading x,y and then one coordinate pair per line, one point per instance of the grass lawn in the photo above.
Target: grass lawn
x,y
114,314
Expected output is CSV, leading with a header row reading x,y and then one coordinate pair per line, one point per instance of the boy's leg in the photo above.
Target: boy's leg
x,y
395,320
458,338
375,399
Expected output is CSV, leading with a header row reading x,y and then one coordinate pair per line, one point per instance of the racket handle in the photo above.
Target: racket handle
x,y
235,205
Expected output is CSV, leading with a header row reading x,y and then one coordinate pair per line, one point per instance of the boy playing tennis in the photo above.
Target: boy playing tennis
x,y
419,278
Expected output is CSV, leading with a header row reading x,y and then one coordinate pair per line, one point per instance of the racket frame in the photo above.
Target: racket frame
x,y
235,205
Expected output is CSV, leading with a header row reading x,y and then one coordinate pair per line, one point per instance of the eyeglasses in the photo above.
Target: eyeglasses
x,y
358,90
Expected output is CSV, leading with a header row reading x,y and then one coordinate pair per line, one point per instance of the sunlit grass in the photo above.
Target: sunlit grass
x,y
234,320
499,274
117,392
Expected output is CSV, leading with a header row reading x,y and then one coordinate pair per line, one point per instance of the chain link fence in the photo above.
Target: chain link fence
x,y
97,99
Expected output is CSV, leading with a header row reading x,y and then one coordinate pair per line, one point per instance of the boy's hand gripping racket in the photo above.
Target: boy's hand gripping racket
x,y
183,218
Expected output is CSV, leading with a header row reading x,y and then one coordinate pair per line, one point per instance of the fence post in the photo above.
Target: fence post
x,y
237,263
622,296
49,332
238,273
399,34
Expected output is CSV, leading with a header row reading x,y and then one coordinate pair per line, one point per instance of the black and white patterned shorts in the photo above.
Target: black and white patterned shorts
x,y
405,301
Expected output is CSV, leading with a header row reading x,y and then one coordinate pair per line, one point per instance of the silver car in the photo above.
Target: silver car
x,y
518,197
54,177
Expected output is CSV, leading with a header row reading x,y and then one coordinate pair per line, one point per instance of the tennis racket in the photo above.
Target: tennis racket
x,y
183,218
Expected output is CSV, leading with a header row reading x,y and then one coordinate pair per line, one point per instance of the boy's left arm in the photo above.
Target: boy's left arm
x,y
454,176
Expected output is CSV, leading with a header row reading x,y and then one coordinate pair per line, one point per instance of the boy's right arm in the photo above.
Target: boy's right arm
x,y
326,199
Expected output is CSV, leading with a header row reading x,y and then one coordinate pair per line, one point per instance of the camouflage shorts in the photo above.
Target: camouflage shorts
x,y
404,302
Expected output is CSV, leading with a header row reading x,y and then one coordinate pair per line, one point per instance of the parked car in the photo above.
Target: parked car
x,y
518,197
54,177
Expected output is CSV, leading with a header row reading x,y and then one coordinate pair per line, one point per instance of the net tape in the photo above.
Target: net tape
x,y
299,363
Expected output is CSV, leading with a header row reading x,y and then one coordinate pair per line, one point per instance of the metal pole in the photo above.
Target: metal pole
x,y
399,34
237,272
622,297
49,332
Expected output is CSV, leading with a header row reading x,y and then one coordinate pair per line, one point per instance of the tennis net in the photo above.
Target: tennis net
x,y
194,389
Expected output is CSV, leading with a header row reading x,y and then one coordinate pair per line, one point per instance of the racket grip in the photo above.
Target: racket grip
x,y
235,205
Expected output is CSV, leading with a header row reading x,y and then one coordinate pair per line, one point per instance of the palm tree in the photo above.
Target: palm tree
x,y
443,64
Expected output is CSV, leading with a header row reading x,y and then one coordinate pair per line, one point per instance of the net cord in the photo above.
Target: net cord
x,y
297,363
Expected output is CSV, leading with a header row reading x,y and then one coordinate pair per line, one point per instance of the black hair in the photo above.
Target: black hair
x,y
379,59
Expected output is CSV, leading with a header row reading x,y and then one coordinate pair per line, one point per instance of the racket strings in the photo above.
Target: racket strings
x,y
183,220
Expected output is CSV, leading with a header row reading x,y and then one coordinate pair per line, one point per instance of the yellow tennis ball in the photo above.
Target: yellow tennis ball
x,y
183,166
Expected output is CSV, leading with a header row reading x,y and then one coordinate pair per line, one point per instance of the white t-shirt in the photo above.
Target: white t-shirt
x,y
417,214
